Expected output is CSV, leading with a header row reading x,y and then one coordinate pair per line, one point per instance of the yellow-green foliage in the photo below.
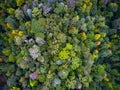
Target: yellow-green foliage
x,y
17,33
11,58
11,10
86,6
15,88
97,36
36,12
83,35
33,83
73,30
62,37
66,52
68,46
19,2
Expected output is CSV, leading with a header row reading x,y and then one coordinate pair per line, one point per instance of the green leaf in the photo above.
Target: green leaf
x,y
41,78
11,58
33,83
35,27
